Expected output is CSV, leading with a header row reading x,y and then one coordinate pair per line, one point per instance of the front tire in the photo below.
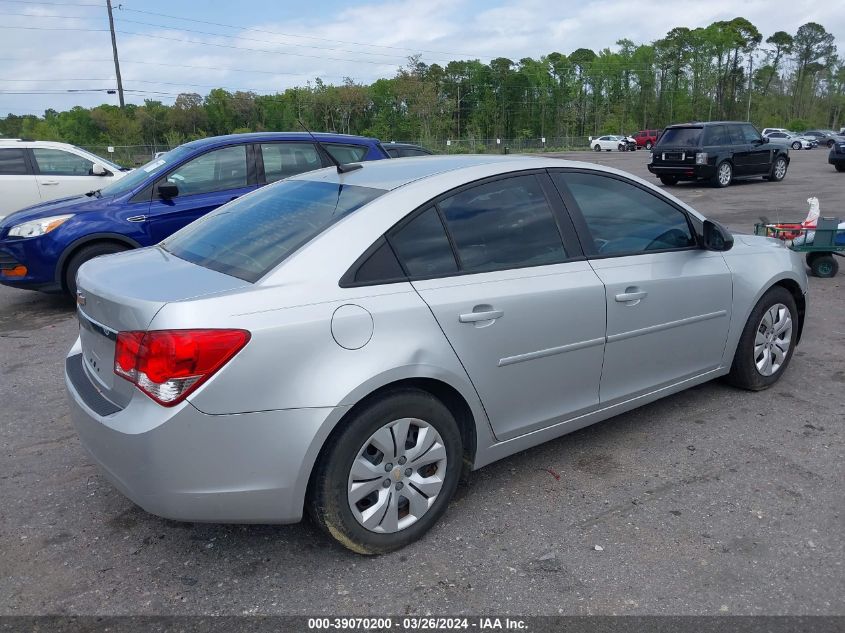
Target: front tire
x,y
724,174
767,342
388,475
839,168
83,255
669,180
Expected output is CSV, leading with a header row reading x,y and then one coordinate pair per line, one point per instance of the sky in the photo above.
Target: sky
x,y
168,47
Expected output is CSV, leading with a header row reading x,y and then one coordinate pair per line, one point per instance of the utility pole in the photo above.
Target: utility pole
x,y
750,67
114,50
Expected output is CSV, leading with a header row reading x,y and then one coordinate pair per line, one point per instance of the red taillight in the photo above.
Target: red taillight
x,y
167,365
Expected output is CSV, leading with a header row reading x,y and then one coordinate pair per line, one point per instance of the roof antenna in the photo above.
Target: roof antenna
x,y
341,169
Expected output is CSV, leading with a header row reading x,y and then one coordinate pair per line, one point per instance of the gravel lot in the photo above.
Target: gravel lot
x,y
711,501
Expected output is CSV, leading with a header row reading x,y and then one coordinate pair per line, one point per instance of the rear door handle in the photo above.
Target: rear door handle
x,y
631,295
475,317
49,182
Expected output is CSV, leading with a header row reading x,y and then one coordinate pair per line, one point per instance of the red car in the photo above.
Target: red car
x,y
647,138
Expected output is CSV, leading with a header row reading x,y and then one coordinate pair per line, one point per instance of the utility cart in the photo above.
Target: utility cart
x,y
823,243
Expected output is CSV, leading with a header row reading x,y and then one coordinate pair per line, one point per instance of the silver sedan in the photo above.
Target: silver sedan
x,y
345,344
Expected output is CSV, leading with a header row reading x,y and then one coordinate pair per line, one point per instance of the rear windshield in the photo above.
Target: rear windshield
x,y
248,237
681,137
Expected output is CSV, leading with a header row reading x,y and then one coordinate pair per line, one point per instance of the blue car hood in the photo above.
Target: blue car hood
x,y
72,204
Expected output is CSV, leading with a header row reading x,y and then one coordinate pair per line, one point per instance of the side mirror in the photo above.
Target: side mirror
x,y
98,170
166,191
763,140
716,237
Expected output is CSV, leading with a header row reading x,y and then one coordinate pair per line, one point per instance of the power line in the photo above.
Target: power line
x,y
57,4
123,7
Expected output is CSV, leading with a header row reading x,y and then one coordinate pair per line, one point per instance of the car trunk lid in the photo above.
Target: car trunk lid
x,y
124,292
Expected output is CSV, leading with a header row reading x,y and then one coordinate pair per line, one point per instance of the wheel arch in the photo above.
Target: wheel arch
x,y
94,238
448,394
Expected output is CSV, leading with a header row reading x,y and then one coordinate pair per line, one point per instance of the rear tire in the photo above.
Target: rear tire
x,y
724,174
839,168
83,255
823,265
796,145
596,147
333,489
759,339
669,180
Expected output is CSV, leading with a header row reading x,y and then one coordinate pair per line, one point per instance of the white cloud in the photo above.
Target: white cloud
x,y
513,29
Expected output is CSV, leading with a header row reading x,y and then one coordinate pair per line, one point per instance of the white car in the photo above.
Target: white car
x,y
608,143
32,172
785,137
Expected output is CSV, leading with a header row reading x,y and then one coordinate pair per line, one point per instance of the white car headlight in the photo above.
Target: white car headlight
x,y
39,227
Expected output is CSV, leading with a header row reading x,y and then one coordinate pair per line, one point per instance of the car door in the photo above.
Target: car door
x,y
60,173
759,153
522,309
204,183
668,301
739,150
17,181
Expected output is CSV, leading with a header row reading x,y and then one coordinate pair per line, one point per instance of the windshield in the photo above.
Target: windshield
x,y
250,236
681,137
138,176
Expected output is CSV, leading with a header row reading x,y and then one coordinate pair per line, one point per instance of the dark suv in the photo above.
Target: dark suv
x,y
719,151
837,155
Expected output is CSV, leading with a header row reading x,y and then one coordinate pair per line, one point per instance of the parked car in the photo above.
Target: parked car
x,y
790,140
346,344
608,143
828,138
720,152
837,155
405,150
32,172
796,141
627,144
41,248
647,138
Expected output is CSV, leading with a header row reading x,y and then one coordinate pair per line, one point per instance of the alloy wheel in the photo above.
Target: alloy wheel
x,y
725,173
780,169
773,339
397,475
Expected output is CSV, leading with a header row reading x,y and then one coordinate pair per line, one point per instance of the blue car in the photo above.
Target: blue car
x,y
43,246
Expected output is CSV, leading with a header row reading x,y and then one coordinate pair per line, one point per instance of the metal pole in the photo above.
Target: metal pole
x,y
114,50
750,66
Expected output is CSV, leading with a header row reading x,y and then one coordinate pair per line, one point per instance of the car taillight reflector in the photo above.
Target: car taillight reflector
x,y
167,365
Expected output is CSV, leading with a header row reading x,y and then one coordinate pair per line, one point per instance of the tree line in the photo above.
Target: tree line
x,y
726,70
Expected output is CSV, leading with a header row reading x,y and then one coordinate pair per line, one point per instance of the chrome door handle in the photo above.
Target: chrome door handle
x,y
475,317
625,297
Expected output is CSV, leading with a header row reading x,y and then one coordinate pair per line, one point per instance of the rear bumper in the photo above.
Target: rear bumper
x,y
683,172
182,464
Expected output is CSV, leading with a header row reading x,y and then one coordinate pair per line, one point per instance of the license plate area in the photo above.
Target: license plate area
x,y
98,343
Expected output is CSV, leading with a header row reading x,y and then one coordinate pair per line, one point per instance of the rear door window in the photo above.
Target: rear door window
x,y
288,159
13,162
250,236
501,224
717,135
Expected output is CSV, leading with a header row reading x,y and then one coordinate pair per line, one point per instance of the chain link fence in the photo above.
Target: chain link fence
x,y
127,155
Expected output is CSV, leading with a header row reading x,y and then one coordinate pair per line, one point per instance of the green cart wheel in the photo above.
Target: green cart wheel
x,y
823,265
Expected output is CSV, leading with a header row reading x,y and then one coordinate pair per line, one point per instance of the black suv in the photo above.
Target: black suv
x,y
837,155
719,151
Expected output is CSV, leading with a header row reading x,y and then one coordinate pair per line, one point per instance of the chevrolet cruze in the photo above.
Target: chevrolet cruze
x,y
345,344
